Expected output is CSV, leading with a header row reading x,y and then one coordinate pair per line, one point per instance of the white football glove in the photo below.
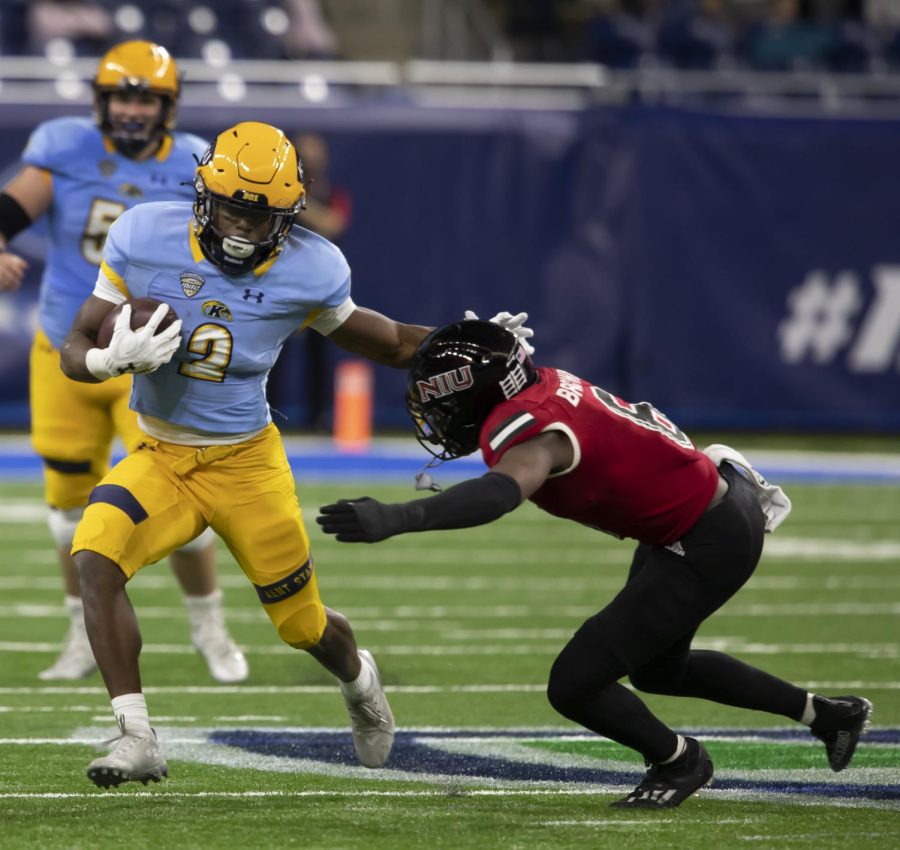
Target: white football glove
x,y
515,324
135,351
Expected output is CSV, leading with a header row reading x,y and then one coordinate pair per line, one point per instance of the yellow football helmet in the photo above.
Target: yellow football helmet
x,y
249,187
136,66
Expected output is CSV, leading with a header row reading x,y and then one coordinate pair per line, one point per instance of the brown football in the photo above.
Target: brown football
x,y
141,310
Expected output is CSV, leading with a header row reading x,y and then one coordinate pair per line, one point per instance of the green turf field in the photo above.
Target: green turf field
x,y
464,626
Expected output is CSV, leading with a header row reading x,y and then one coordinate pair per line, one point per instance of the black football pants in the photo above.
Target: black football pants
x,y
645,633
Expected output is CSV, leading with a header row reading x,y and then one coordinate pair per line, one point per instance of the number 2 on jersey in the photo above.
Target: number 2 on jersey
x,y
214,343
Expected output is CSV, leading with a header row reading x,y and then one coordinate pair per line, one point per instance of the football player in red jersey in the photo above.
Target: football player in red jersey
x,y
581,453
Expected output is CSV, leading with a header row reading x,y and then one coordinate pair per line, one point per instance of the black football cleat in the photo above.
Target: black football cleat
x,y
668,785
839,723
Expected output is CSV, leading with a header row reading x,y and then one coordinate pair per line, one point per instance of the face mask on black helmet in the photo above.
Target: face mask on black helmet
x,y
136,67
249,188
460,373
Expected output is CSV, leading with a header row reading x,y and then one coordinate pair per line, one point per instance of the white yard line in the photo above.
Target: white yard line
x,y
455,791
309,690
561,583
515,647
430,613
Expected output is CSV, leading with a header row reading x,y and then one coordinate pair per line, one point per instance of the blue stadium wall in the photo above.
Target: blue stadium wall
x,y
738,271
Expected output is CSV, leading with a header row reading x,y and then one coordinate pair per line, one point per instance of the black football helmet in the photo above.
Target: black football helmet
x,y
459,374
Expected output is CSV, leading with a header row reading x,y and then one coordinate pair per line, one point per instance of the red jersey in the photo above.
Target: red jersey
x,y
634,473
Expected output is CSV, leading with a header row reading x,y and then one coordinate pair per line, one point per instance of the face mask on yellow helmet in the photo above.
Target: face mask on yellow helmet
x,y
249,187
136,67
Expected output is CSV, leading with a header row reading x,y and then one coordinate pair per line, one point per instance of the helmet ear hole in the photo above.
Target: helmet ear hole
x,y
459,374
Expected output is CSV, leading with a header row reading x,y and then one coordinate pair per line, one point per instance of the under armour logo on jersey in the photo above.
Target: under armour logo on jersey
x,y
438,386
253,293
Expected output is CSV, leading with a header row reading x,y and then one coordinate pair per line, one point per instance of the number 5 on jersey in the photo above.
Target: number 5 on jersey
x,y
100,218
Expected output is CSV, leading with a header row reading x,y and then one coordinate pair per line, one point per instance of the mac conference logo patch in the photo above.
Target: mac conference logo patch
x,y
191,283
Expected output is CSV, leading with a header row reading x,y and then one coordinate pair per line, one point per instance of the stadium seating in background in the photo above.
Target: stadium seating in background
x,y
621,36
841,36
697,36
855,48
216,31
13,28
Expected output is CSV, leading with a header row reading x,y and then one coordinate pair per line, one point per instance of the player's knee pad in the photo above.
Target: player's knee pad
x,y
304,627
62,525
199,543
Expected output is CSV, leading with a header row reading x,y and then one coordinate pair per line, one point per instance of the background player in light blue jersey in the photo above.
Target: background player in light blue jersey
x,y
83,174
242,278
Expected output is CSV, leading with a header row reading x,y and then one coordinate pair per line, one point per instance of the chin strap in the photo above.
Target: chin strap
x,y
424,481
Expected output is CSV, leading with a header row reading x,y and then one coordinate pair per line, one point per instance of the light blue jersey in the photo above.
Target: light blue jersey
x,y
92,185
233,326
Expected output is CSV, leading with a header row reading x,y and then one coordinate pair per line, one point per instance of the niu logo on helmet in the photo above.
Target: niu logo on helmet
x,y
445,383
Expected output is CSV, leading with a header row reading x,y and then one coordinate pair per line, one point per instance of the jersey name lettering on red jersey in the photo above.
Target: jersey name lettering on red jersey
x,y
570,387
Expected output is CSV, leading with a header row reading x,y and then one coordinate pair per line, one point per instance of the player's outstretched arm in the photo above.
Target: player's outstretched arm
x,y
383,340
379,338
477,501
474,502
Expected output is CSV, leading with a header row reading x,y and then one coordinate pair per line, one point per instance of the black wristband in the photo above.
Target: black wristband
x,y
13,219
474,502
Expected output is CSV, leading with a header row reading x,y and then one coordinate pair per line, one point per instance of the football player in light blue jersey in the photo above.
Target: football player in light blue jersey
x,y
239,323
242,278
83,174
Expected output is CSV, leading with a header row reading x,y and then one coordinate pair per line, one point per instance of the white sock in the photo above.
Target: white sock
x,y
75,607
202,608
132,708
679,750
361,683
809,713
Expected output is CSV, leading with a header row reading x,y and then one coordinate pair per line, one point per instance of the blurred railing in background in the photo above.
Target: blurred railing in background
x,y
325,83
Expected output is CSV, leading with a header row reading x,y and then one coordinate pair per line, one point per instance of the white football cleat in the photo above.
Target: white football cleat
x,y
132,758
76,659
371,719
226,662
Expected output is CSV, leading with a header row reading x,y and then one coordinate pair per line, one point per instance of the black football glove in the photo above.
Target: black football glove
x,y
362,520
